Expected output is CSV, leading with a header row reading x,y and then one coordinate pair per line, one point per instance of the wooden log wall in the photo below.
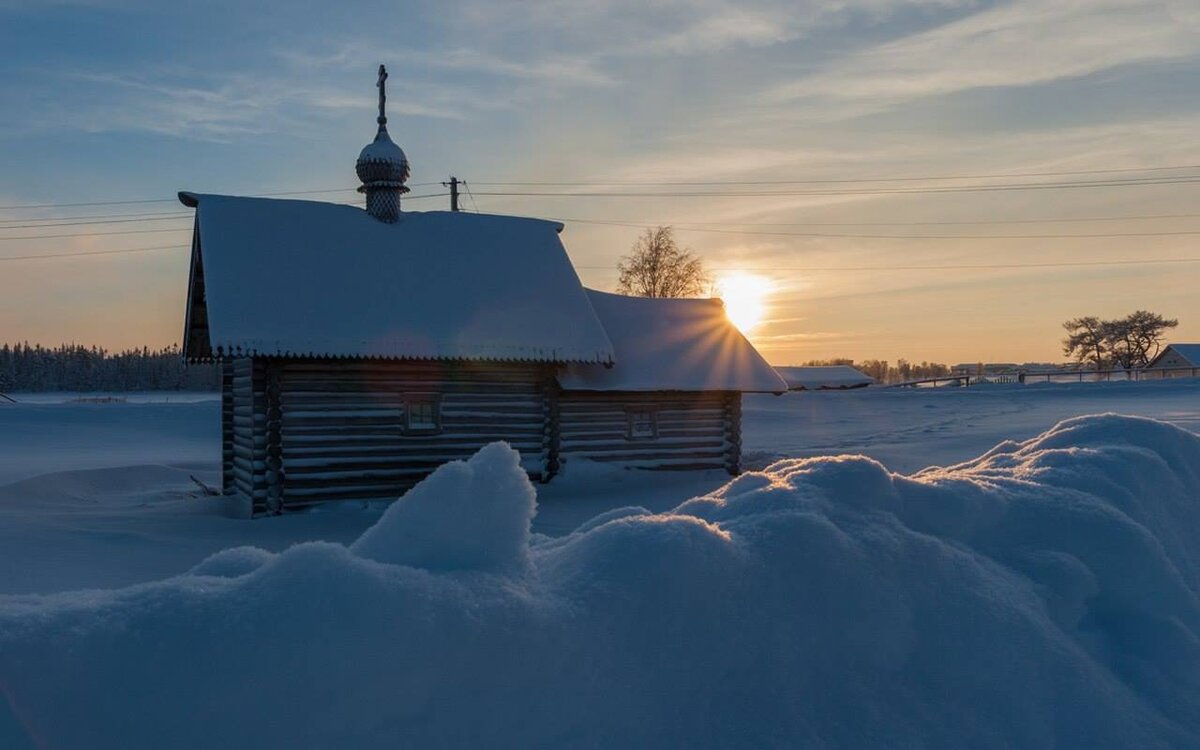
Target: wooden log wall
x,y
342,424
694,430
273,463
249,434
733,433
551,434
227,486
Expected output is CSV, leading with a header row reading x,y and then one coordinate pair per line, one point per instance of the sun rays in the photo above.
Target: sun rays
x,y
745,296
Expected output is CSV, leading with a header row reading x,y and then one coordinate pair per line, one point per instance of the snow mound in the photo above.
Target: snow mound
x,y
467,515
1046,594
231,563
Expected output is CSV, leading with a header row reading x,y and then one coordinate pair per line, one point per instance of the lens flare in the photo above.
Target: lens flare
x,y
745,296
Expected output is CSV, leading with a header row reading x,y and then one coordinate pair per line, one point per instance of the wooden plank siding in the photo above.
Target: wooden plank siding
x,y
691,430
343,426
195,327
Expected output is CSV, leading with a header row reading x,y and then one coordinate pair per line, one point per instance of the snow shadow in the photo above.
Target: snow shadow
x,y
1046,594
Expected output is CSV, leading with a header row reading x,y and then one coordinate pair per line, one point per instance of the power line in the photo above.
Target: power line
x,y
46,221
175,217
737,231
865,191
94,234
474,205
95,252
965,222
176,200
803,269
830,235
809,235
163,200
165,214
682,225
124,231
940,267
682,183
852,180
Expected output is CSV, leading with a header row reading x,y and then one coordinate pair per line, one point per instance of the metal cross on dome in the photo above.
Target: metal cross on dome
x,y
382,84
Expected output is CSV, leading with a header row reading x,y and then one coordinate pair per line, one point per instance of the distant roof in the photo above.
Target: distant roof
x,y
814,378
1190,352
672,344
304,278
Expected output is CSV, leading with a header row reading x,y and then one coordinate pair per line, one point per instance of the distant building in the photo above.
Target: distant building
x,y
836,377
361,349
1177,356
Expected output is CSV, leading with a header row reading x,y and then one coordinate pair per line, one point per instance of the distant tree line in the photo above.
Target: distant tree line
x,y
885,372
1127,342
71,367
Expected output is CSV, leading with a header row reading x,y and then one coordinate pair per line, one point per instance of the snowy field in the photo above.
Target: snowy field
x,y
1044,594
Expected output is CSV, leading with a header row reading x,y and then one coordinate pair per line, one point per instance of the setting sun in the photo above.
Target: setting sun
x,y
745,296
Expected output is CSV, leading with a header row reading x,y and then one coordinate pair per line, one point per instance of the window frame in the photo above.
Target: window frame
x,y
632,415
434,426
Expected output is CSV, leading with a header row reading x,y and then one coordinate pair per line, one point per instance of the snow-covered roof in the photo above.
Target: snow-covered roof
x,y
1190,352
303,278
814,378
672,344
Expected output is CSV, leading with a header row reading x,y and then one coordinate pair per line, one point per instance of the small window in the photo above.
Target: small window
x,y
422,414
643,424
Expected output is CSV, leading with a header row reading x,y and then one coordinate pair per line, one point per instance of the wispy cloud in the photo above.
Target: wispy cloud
x,y
166,104
213,106
349,54
1148,142
727,27
1020,43
676,27
557,68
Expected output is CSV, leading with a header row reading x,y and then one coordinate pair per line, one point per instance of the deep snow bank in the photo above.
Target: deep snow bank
x,y
1043,595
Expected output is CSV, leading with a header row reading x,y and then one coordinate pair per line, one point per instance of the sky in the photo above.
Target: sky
x,y
838,105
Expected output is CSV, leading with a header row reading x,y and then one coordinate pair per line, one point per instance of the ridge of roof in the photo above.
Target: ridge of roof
x,y
193,199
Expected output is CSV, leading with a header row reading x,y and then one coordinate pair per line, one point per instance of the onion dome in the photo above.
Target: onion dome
x,y
382,166
382,161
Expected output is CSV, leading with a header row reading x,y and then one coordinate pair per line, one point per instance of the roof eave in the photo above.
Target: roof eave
x,y
222,351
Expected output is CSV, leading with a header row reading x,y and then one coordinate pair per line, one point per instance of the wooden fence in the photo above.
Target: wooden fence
x,y
1056,376
1136,374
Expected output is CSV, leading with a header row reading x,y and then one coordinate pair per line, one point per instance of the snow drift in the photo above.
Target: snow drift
x,y
1045,594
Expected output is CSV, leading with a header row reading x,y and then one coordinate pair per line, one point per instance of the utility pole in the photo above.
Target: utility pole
x,y
453,185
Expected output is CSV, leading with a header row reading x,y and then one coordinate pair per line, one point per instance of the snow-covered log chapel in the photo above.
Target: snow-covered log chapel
x,y
361,349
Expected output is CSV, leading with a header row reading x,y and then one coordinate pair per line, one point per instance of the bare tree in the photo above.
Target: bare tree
x,y
657,267
1137,338
876,368
1087,341
1126,342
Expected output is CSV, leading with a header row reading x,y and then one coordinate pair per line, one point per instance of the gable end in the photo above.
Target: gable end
x,y
197,345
